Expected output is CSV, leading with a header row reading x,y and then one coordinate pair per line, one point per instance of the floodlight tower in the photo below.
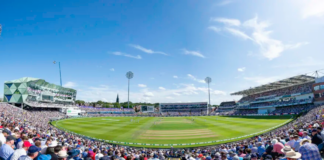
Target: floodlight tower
x,y
208,80
59,71
129,76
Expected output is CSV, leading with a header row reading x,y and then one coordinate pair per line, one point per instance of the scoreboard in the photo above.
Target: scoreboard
x,y
147,109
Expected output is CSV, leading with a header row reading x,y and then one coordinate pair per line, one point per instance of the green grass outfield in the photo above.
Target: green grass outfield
x,y
163,132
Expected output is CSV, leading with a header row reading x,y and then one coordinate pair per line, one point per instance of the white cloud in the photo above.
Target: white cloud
x,y
261,80
212,91
297,45
169,97
194,53
270,48
195,79
218,92
149,51
142,85
312,8
175,77
227,21
177,94
242,69
214,28
112,69
305,63
148,94
225,2
69,84
238,33
161,88
126,55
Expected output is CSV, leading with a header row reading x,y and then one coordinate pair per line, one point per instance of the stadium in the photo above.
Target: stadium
x,y
168,111
283,108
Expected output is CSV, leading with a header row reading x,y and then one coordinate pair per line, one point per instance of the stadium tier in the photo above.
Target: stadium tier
x,y
291,95
226,106
34,92
178,109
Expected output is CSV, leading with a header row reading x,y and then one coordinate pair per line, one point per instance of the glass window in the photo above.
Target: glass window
x,y
316,88
317,95
321,86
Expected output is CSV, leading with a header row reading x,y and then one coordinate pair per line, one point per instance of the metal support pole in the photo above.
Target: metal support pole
x,y
60,73
209,98
128,93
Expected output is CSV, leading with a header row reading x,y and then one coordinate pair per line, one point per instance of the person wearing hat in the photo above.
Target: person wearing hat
x,y
32,153
51,150
62,155
254,156
22,151
267,157
6,149
286,149
305,135
73,154
291,155
297,143
309,150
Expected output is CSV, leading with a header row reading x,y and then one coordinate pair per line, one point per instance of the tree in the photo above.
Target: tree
x,y
80,102
100,103
116,105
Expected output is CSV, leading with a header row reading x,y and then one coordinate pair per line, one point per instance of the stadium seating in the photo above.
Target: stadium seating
x,y
34,123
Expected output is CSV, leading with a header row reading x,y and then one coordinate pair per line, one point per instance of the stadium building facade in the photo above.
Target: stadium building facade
x,y
226,106
318,89
294,91
178,108
33,91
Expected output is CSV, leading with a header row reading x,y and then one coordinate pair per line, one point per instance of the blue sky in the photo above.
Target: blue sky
x,y
171,46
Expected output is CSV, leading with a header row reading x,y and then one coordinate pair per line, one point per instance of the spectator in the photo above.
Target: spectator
x,y
277,147
5,133
62,155
32,154
316,138
309,151
6,150
292,155
21,152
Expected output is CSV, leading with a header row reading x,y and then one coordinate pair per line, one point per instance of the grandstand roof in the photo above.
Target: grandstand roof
x,y
40,82
227,102
24,79
296,80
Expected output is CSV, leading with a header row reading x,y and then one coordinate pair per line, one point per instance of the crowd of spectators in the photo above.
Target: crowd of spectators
x,y
246,111
281,102
27,135
47,105
231,104
303,88
99,109
293,109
